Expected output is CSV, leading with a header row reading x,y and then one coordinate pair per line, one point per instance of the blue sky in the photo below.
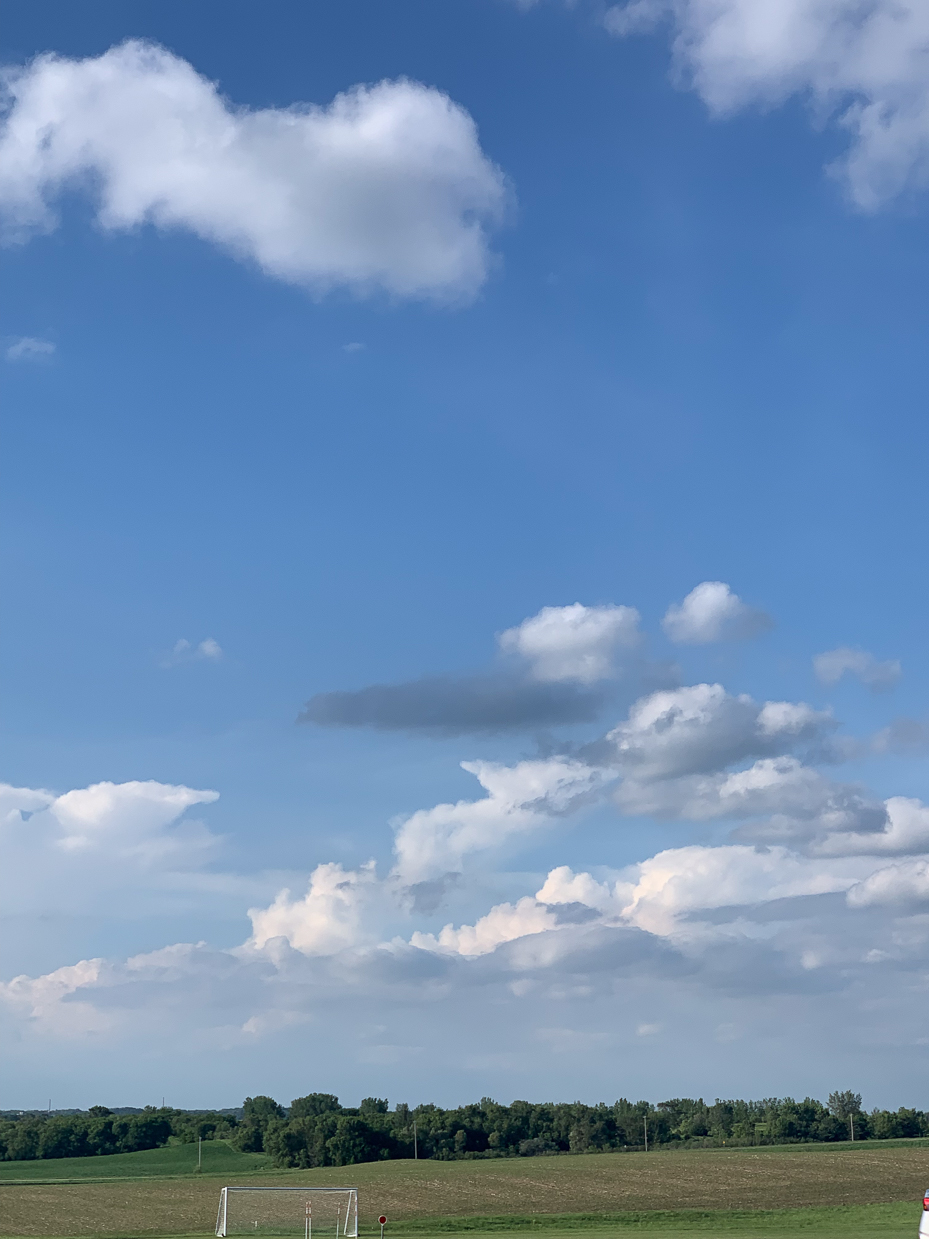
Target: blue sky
x,y
580,305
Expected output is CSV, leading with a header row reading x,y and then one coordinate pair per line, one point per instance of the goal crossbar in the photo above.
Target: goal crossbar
x,y
292,1214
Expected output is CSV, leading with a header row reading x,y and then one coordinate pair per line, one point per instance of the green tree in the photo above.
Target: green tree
x,y
846,1107
316,1103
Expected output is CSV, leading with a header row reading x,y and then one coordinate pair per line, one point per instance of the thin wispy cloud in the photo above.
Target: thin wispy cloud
x,y
879,676
184,651
29,348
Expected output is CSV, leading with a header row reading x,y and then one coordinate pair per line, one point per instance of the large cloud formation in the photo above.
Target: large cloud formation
x,y
866,63
815,894
387,188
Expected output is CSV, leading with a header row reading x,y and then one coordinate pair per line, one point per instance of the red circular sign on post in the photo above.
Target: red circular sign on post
x,y
382,1221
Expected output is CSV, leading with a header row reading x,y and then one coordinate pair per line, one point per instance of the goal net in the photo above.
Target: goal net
x,y
312,1212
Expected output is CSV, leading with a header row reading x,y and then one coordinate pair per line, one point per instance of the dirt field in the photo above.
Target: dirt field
x,y
738,1179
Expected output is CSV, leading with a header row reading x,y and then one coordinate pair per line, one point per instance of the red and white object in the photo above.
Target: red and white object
x,y
924,1220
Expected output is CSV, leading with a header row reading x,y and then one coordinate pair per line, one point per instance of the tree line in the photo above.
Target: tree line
x,y
317,1131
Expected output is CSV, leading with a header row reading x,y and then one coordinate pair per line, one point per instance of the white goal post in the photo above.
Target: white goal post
x,y
331,1211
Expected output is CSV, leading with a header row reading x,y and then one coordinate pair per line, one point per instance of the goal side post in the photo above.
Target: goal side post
x,y
221,1213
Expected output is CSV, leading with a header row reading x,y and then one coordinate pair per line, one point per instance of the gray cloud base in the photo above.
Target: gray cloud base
x,y
453,706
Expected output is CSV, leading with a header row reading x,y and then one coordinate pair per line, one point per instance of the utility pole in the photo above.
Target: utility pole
x,y
415,1145
199,1152
646,1133
851,1123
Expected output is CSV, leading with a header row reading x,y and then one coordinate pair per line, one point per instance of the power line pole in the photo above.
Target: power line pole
x,y
415,1145
646,1133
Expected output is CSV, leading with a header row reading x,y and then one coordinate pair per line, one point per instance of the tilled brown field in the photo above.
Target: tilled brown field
x,y
717,1179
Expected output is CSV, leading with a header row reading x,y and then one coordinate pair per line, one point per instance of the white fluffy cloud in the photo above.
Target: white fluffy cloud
x,y
795,901
64,852
575,642
797,803
334,915
703,728
663,895
125,816
865,63
905,882
386,188
712,612
504,923
45,1001
833,664
685,880
520,799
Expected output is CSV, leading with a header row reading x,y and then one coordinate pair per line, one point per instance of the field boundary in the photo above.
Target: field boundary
x,y
780,1223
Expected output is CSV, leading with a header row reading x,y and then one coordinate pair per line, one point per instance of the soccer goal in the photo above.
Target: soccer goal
x,y
323,1212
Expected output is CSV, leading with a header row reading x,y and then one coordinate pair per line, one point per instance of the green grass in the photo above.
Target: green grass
x,y
173,1161
893,1221
858,1220
833,1192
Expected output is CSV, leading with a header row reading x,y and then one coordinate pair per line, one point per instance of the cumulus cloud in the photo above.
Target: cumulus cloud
x,y
503,923
905,830
703,728
520,799
675,755
455,706
793,903
795,802
712,612
680,881
387,188
906,882
831,666
329,918
867,65
575,642
44,1000
129,816
29,348
18,804
129,843
663,896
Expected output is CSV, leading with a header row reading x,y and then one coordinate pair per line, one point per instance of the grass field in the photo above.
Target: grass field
x,y
864,1190
219,1158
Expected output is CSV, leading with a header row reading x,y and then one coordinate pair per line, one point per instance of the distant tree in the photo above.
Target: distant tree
x,y
99,1112
353,1141
314,1104
372,1105
846,1106
262,1108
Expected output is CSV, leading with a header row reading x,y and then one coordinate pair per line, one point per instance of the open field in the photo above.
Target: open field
x,y
219,1158
861,1190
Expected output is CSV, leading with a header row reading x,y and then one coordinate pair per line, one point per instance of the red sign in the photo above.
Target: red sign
x,y
382,1220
